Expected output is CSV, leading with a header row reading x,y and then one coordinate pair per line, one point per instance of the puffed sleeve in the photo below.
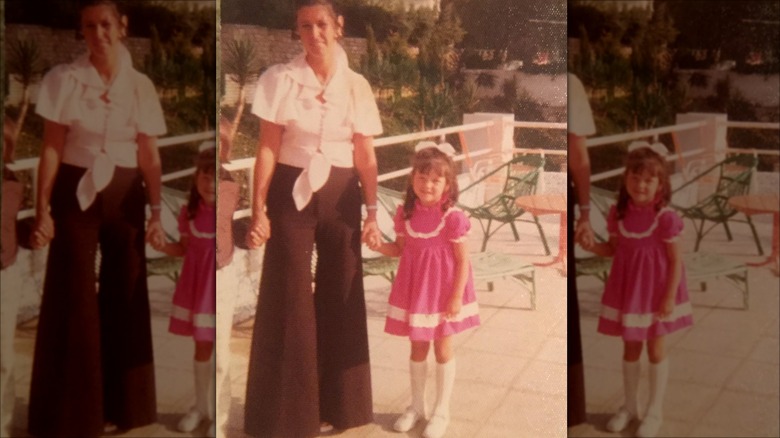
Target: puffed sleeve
x,y
56,86
184,222
670,225
399,223
271,100
366,119
457,226
150,119
612,221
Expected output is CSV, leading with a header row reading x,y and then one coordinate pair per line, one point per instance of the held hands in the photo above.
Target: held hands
x,y
155,235
43,232
371,235
583,234
259,231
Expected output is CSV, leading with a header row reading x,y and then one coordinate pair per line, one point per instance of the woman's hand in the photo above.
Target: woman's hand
x,y
259,231
155,235
371,235
454,306
583,234
44,230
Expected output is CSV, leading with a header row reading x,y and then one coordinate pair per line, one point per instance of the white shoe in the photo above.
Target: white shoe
x,y
649,427
190,421
407,420
620,420
436,426
326,427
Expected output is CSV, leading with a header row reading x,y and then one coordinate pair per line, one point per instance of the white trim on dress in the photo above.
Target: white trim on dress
x,y
195,232
643,320
200,320
410,232
646,233
431,320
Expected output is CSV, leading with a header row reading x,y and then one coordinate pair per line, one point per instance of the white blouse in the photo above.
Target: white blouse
x,y
580,115
101,132
317,135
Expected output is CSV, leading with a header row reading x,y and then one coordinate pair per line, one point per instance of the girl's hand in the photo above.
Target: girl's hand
x,y
583,234
44,230
155,235
371,235
667,307
453,309
259,231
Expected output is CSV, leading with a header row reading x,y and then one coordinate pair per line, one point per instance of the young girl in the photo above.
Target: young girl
x,y
194,301
645,296
432,297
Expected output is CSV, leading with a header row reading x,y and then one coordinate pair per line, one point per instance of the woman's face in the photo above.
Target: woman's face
x,y
102,29
318,30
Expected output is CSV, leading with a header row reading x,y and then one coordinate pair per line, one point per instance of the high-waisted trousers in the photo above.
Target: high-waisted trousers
x,y
93,352
309,361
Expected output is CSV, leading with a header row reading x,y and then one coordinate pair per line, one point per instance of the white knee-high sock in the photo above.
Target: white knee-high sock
x,y
659,376
418,372
203,383
631,372
445,382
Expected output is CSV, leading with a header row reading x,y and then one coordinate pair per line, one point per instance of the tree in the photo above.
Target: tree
x,y
26,63
241,65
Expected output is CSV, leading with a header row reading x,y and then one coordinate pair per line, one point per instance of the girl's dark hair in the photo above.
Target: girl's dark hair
x,y
206,163
639,161
432,160
116,5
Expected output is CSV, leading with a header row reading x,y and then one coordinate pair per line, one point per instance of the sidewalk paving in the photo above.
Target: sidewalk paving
x,y
723,371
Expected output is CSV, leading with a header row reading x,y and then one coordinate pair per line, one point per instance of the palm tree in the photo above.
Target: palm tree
x,y
25,62
242,66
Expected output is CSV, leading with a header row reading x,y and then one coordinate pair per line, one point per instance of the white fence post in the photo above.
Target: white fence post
x,y
499,137
711,138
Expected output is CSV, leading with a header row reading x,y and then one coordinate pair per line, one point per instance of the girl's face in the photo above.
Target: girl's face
x,y
102,29
642,187
429,187
318,30
206,185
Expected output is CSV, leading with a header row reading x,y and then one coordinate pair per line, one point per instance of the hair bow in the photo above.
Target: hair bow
x,y
656,147
206,145
444,148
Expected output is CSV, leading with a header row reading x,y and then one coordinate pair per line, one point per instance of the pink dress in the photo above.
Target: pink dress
x,y
423,284
637,281
195,299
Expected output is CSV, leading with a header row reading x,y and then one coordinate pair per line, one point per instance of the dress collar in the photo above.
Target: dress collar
x,y
640,208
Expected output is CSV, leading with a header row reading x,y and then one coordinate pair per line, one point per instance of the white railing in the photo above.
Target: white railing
x,y
247,164
31,164
655,132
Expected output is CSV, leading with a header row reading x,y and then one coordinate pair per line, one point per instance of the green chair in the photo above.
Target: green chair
x,y
734,175
520,178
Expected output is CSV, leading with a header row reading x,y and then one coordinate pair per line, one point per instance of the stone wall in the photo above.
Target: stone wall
x,y
273,46
59,46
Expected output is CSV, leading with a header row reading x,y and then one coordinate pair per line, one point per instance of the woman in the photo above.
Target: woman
x,y
309,365
93,361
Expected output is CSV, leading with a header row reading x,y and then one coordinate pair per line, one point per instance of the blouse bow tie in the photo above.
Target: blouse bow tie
x,y
310,180
94,180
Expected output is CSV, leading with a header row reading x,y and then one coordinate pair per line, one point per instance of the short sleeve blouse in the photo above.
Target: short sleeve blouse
x,y
72,95
580,115
287,94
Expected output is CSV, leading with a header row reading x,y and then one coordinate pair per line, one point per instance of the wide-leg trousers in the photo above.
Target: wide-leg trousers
x,y
93,353
309,361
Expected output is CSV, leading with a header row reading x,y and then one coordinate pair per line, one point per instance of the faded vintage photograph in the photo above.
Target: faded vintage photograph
x,y
392,196
108,218
673,291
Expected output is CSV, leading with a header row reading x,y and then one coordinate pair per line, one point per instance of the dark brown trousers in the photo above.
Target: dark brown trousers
x,y
575,396
93,352
309,361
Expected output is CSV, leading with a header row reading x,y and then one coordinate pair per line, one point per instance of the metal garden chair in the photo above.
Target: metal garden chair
x,y
734,175
520,177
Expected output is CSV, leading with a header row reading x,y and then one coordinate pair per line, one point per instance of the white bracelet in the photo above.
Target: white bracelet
x,y
155,207
371,207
